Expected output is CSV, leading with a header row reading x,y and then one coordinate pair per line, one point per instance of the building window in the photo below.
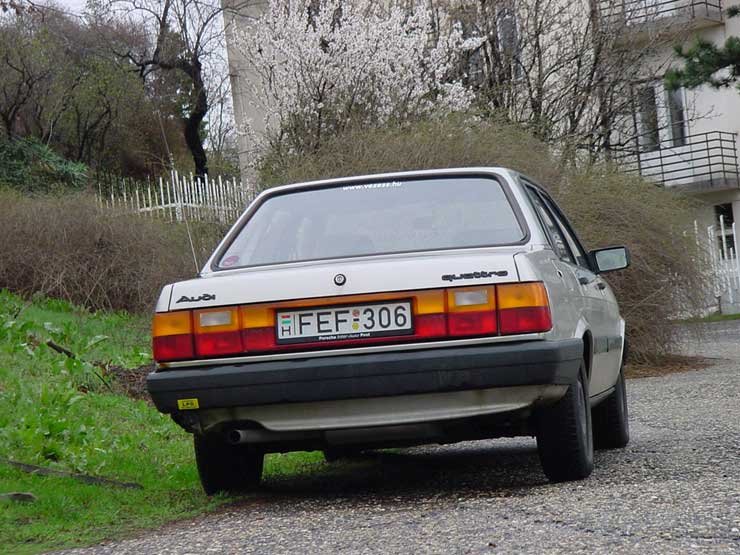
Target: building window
x,y
724,211
677,115
648,111
508,37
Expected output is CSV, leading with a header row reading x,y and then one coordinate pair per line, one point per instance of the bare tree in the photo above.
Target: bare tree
x,y
187,36
561,68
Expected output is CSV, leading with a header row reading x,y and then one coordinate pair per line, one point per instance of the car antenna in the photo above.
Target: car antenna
x,y
174,176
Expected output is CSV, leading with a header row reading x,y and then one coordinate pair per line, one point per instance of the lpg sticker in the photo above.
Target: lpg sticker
x,y
187,404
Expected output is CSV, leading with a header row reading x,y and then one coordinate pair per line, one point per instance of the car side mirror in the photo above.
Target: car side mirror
x,y
610,259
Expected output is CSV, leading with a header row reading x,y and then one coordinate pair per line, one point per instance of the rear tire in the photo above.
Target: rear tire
x,y
564,435
227,468
611,418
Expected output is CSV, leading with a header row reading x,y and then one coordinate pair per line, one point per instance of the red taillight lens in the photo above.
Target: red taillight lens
x,y
525,320
431,325
471,323
259,339
172,347
220,343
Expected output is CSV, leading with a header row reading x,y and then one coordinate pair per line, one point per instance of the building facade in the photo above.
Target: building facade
x,y
686,139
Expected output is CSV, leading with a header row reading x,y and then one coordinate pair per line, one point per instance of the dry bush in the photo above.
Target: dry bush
x,y
607,208
67,247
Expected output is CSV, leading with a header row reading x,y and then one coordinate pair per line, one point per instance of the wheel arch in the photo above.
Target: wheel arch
x,y
588,350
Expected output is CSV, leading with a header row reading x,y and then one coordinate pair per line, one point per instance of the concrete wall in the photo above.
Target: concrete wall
x,y
245,107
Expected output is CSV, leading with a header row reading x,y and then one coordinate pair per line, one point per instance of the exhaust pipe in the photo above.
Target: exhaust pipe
x,y
237,437
259,435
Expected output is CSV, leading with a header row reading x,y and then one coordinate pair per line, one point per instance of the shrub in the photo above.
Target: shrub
x,y
607,208
68,247
31,166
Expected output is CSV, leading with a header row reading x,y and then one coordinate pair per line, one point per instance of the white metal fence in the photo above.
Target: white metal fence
x,y
180,198
721,244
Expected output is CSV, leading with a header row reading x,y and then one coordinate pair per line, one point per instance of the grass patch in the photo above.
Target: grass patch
x,y
63,413
716,317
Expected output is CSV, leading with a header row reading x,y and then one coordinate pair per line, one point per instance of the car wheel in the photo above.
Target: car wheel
x,y
564,435
611,418
226,468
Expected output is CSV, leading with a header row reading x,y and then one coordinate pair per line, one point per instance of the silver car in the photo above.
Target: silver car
x,y
394,310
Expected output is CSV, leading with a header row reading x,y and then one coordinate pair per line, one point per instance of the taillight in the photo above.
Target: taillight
x,y
523,308
217,332
172,336
507,309
471,311
258,328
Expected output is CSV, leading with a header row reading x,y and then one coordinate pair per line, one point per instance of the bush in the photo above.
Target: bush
x,y
607,208
68,247
30,166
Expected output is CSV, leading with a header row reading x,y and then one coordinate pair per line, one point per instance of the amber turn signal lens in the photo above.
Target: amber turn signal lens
x,y
172,323
521,295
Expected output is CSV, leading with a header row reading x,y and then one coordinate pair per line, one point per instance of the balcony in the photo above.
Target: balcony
x,y
704,162
646,19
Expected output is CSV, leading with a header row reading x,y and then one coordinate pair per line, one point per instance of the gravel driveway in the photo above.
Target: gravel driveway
x,y
674,489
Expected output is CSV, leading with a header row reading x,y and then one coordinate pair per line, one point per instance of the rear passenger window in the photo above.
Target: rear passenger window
x,y
557,239
575,247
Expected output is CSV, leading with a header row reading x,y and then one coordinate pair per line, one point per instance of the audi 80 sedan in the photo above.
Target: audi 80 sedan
x,y
394,310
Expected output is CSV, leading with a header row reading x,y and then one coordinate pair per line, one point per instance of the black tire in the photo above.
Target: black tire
x,y
564,435
611,418
227,468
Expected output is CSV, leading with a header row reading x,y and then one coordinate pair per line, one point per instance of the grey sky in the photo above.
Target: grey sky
x,y
72,5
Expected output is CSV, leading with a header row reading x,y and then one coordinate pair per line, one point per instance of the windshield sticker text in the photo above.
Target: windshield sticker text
x,y
388,185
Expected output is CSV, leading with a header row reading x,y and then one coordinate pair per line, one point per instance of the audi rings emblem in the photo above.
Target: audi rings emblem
x,y
340,279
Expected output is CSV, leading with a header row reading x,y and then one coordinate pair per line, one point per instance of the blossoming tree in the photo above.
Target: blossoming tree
x,y
317,67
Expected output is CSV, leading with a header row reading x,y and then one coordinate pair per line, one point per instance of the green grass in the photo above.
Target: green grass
x,y
59,412
714,318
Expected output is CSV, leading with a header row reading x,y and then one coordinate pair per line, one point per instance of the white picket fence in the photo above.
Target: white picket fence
x,y
721,244
180,198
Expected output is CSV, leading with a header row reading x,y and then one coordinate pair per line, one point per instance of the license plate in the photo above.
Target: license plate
x,y
336,323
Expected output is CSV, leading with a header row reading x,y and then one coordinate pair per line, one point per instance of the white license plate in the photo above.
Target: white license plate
x,y
336,323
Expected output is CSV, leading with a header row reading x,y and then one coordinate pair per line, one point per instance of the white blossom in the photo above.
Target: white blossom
x,y
315,71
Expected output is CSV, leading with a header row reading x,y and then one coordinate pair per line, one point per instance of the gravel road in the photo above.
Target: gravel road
x,y
674,489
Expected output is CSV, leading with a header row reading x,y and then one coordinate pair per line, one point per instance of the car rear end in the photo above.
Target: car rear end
x,y
365,312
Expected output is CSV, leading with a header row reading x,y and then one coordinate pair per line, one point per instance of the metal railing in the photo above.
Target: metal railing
x,y
636,12
705,159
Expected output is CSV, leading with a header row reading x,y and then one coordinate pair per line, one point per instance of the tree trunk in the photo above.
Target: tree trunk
x,y
197,114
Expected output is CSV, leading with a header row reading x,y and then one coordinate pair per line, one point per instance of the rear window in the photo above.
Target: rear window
x,y
376,218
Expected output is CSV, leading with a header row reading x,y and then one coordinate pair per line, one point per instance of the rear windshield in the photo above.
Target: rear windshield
x,y
375,218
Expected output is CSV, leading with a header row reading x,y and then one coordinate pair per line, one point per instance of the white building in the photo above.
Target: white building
x,y
685,139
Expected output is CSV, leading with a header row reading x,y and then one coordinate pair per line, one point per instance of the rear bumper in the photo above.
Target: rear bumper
x,y
430,370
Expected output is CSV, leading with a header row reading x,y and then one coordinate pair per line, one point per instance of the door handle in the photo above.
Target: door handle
x,y
583,280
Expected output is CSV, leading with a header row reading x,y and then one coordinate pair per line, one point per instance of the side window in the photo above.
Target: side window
x,y
575,247
557,239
